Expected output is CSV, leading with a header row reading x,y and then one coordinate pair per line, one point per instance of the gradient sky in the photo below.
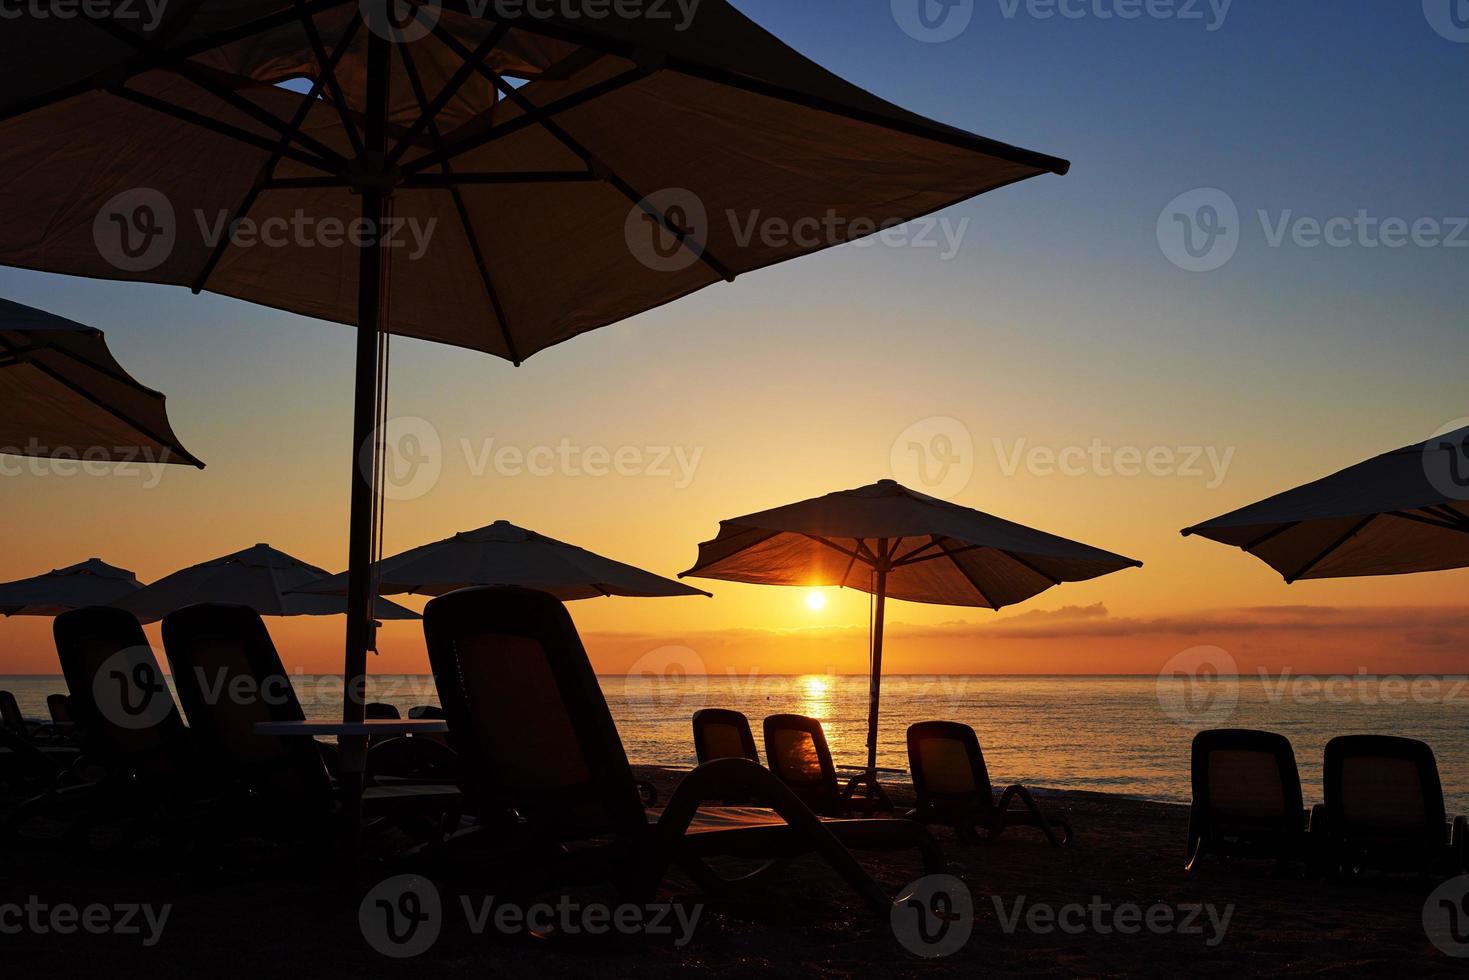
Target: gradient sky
x,y
1058,322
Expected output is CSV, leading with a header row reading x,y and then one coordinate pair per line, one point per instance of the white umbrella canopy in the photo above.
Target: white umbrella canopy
x,y
261,577
63,394
890,541
1402,512
503,554
89,583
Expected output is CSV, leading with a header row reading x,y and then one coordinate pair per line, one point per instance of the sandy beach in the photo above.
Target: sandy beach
x,y
279,913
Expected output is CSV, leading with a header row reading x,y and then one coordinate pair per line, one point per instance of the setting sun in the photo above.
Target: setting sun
x,y
815,600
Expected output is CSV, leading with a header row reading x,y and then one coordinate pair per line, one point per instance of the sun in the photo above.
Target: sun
x,y
815,600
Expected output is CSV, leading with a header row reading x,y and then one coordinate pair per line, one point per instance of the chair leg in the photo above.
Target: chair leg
x,y
1018,792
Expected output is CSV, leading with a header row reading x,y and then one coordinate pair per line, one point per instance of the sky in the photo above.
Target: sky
x,y
1056,319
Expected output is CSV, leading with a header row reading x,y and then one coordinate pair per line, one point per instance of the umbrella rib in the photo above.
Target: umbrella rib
x,y
329,70
459,206
430,110
1444,525
567,140
855,555
1270,535
1357,529
267,171
118,376
969,577
221,128
121,416
192,74
1025,564
470,143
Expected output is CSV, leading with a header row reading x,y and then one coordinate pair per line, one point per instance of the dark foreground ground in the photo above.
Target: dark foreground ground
x,y
272,913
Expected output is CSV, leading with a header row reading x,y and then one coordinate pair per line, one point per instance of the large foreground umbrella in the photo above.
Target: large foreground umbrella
x,y
261,577
895,543
503,554
63,394
1404,511
532,177
89,583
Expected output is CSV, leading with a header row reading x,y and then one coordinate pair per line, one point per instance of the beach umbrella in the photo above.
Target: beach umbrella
x,y
500,177
260,577
503,554
1404,511
63,394
89,583
895,543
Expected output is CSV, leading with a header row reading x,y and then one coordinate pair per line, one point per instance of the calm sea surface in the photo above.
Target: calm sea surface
x,y
1127,735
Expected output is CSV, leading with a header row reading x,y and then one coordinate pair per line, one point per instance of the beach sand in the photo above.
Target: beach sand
x,y
275,915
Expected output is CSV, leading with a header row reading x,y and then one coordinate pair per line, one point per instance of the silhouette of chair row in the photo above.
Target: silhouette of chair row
x,y
1383,805
950,778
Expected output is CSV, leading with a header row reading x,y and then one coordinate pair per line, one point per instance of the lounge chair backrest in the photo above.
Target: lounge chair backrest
x,y
1382,785
10,716
118,694
1245,775
58,706
723,734
796,751
527,715
947,765
380,711
229,676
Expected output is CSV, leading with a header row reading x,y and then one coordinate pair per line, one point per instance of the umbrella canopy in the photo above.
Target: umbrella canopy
x,y
63,393
1401,512
442,168
503,554
894,542
261,577
89,583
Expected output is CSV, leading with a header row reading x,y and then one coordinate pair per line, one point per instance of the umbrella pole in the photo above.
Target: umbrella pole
x,y
874,688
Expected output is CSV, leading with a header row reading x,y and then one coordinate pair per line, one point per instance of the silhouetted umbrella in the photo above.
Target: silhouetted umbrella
x,y
503,554
260,577
896,543
62,394
567,165
89,583
1401,512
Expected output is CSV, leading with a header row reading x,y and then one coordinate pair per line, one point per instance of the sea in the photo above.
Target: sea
x,y
1125,735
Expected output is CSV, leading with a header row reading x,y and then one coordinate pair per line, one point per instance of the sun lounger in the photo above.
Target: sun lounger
x,y
1384,808
952,785
1246,798
528,718
723,734
796,750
